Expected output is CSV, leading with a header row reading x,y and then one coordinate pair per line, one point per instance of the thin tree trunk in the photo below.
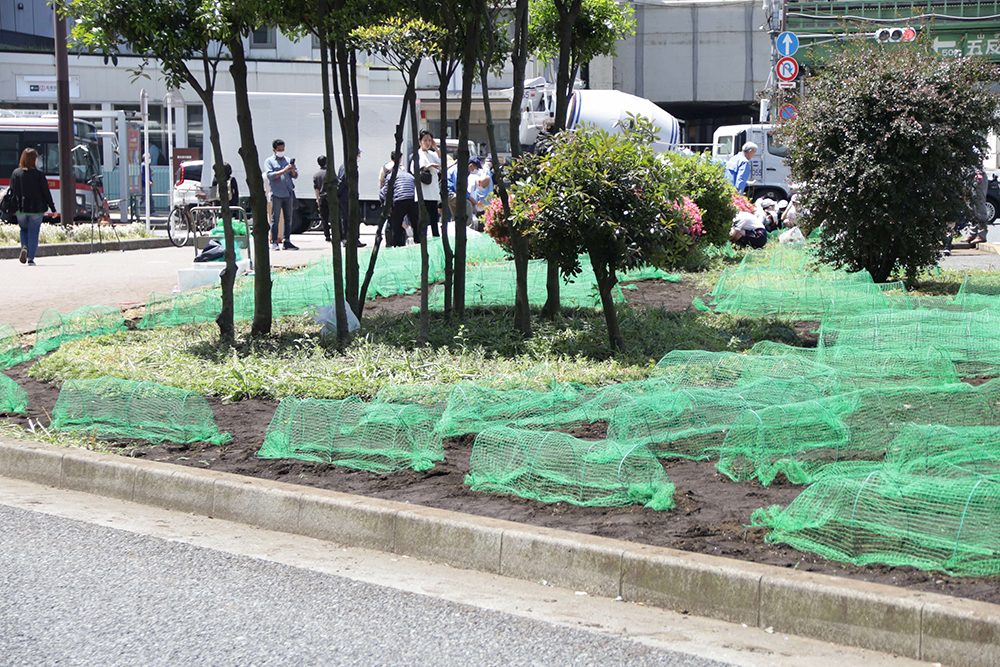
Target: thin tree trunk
x,y
262,310
469,54
552,305
568,10
410,94
424,328
227,331
606,282
330,182
519,245
449,255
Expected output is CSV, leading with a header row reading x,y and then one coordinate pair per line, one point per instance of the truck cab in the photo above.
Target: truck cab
x,y
767,167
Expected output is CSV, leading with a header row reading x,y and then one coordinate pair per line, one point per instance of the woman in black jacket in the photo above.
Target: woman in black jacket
x,y
32,198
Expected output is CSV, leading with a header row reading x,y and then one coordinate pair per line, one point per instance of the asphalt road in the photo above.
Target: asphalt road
x,y
86,580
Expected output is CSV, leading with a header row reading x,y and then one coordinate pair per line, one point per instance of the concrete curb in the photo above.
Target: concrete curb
x,y
924,626
56,249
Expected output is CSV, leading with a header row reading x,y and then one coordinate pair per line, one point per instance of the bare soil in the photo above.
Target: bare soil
x,y
712,513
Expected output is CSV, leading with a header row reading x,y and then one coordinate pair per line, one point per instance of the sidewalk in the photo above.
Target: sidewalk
x,y
116,278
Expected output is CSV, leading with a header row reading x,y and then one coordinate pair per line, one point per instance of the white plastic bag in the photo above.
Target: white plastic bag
x,y
327,316
793,235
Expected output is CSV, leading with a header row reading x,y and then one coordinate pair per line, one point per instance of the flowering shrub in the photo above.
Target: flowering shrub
x,y
704,181
742,203
692,214
495,224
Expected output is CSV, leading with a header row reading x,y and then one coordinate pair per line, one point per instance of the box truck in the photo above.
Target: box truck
x,y
767,167
297,119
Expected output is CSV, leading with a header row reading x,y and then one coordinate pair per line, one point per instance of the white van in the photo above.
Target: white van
x,y
767,168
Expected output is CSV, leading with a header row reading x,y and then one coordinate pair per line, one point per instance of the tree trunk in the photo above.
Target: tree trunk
x,y
449,254
552,305
469,53
407,96
519,245
227,331
330,183
568,10
262,312
346,95
424,328
606,281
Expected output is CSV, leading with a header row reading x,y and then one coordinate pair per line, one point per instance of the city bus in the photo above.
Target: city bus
x,y
18,132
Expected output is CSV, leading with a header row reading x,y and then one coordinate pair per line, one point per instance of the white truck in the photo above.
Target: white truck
x,y
297,119
767,167
607,109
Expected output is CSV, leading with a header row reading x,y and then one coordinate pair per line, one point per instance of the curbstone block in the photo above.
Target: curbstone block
x,y
346,520
702,585
844,611
446,537
257,503
32,462
580,562
104,475
181,490
961,633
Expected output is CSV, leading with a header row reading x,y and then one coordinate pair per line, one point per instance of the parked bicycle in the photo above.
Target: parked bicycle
x,y
185,221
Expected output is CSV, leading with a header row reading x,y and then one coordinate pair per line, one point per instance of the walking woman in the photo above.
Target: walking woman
x,y
32,198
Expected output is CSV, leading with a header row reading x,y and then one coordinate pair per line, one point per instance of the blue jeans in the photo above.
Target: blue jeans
x,y
31,224
279,204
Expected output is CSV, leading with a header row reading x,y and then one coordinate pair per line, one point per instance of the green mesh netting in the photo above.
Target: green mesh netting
x,y
935,449
11,352
12,397
971,339
944,523
173,310
725,370
917,366
807,440
380,437
111,407
556,467
54,329
473,407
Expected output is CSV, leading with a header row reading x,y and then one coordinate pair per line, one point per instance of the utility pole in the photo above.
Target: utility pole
x,y
773,24
67,180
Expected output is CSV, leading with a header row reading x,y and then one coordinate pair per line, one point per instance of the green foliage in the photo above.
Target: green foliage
x,y
400,40
599,25
704,181
888,141
171,32
605,195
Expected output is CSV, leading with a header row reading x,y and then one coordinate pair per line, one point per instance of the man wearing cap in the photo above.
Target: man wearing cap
x,y
738,167
470,194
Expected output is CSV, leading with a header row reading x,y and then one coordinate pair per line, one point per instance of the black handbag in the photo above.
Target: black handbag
x,y
426,177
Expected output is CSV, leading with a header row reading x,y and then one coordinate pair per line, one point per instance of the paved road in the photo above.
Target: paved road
x,y
113,278
92,581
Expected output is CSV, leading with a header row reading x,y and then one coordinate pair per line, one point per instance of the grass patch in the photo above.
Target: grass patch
x,y
295,361
10,235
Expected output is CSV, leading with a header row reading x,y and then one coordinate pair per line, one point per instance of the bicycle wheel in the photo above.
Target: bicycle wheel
x,y
204,221
179,227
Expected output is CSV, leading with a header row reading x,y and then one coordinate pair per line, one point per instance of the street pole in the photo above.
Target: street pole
x,y
148,175
67,179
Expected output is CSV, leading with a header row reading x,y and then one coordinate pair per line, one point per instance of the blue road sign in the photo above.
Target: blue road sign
x,y
788,43
786,112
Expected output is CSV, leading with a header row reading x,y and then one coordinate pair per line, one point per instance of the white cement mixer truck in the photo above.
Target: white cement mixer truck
x,y
607,109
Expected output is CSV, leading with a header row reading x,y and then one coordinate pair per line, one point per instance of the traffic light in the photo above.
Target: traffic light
x,y
894,35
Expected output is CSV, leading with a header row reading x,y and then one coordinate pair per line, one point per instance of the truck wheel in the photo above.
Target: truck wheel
x,y
768,193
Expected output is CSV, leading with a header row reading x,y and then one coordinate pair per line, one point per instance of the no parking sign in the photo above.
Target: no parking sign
x,y
787,112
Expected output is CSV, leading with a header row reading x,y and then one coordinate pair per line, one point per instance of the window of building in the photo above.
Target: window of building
x,y
263,38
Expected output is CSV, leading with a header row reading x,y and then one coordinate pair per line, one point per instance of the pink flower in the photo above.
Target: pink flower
x,y
742,203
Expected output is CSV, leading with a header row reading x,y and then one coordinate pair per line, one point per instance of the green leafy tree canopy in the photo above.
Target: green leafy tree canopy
x,y
887,143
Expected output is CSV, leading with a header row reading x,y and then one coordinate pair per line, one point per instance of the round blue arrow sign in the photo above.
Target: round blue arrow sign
x,y
788,43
